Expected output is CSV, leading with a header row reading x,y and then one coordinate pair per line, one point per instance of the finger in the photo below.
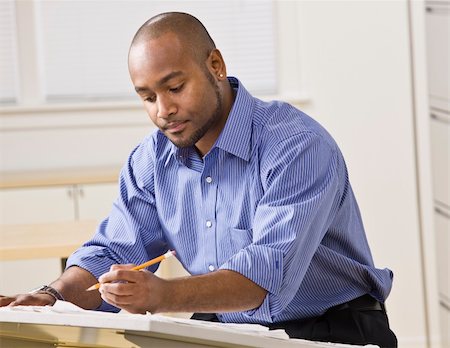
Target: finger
x,y
121,274
32,300
124,266
117,300
6,300
119,289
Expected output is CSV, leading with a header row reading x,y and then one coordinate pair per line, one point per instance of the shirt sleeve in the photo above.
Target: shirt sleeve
x,y
131,233
301,196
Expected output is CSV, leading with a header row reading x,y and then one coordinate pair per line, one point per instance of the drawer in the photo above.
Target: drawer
x,y
440,156
442,225
444,319
437,41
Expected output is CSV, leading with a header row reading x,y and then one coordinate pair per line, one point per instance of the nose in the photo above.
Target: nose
x,y
165,107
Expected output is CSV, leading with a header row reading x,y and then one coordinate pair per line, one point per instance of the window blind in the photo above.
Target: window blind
x,y
8,53
83,45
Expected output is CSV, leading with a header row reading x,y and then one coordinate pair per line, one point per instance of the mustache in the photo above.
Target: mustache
x,y
170,124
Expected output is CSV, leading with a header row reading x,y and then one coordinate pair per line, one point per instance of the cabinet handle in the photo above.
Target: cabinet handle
x,y
81,192
444,305
444,118
70,193
442,212
437,8
438,118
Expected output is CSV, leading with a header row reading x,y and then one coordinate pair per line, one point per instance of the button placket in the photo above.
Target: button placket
x,y
208,186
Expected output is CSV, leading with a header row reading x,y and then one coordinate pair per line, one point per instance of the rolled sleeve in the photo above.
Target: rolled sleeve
x,y
94,260
264,266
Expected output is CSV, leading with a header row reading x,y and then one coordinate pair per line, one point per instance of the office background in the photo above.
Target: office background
x,y
374,73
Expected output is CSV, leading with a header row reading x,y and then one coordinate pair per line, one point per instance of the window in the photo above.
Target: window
x,y
83,45
8,59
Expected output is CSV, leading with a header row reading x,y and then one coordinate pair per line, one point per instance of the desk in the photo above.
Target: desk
x,y
45,330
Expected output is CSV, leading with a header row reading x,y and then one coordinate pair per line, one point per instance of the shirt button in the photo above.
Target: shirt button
x,y
208,179
208,223
211,268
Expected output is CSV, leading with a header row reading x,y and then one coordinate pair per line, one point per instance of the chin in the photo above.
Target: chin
x,y
181,143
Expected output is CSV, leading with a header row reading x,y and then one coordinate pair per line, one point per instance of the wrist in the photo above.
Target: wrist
x,y
166,297
48,290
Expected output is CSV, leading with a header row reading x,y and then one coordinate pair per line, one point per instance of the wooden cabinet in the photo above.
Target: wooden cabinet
x,y
40,201
437,37
31,204
53,205
94,201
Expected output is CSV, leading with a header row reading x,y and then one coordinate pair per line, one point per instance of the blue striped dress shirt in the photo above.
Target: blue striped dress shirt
x,y
270,200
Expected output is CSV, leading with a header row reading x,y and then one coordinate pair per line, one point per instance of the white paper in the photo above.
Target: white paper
x,y
92,318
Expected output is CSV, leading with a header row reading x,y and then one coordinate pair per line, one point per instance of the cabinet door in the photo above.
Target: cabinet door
x,y
445,324
94,201
440,156
36,205
442,222
438,38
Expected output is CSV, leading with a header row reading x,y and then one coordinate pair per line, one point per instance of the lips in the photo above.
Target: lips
x,y
175,127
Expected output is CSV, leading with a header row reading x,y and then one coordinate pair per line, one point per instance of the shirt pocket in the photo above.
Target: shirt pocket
x,y
239,238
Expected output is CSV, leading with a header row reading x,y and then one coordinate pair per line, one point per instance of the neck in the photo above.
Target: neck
x,y
228,97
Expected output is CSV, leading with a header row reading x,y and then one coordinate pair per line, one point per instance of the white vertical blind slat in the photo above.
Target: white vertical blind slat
x,y
84,44
8,54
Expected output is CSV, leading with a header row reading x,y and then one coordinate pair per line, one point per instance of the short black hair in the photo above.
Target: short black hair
x,y
186,27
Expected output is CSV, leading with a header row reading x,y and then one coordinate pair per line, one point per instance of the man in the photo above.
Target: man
x,y
253,196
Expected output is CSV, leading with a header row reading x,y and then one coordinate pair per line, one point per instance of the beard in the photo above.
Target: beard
x,y
214,118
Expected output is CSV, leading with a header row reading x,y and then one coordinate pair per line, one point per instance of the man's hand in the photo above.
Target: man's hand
x,y
133,291
142,291
72,285
27,300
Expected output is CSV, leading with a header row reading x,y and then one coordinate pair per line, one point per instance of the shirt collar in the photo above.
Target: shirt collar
x,y
235,137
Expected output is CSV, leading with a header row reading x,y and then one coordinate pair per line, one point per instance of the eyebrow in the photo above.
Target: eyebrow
x,y
161,82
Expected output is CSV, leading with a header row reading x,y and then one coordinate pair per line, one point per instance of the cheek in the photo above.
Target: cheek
x,y
200,104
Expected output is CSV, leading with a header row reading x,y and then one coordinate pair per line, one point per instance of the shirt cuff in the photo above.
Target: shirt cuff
x,y
263,266
94,260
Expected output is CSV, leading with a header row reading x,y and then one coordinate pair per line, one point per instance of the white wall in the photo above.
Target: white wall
x,y
70,136
357,65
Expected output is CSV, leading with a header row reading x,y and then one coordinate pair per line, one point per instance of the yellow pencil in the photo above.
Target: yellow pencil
x,y
142,266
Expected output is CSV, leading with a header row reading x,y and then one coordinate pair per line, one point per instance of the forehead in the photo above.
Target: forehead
x,y
155,58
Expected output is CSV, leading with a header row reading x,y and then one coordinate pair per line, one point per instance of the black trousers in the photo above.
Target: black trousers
x,y
360,321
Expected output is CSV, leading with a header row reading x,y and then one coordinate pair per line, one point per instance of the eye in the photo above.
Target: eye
x,y
176,89
150,99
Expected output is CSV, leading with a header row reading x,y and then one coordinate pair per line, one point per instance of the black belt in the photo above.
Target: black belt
x,y
363,303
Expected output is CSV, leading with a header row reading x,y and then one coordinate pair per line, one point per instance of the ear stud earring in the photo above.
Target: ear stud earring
x,y
220,75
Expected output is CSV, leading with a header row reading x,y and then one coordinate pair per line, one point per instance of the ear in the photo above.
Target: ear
x,y
217,65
